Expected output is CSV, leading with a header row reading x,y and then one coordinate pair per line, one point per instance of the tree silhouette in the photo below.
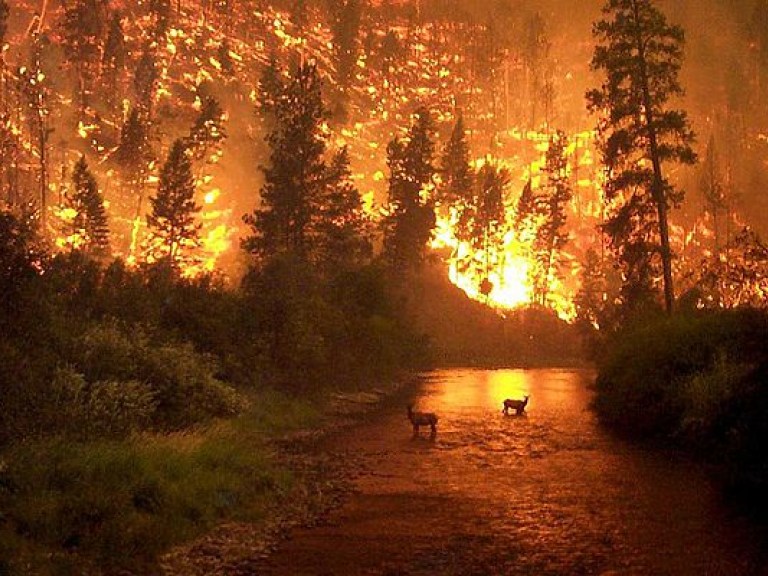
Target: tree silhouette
x,y
295,179
172,221
489,212
552,204
641,55
90,223
411,218
114,56
208,129
343,230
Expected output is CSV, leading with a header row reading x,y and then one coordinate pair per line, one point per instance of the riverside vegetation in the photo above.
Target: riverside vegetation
x,y
697,380
137,407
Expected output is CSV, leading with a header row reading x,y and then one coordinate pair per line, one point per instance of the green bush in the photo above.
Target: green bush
x,y
101,409
184,386
655,374
700,381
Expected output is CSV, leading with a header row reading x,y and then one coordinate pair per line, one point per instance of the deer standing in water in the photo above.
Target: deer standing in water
x,y
422,419
516,405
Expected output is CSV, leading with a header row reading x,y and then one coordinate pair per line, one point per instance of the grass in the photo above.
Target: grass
x,y
119,504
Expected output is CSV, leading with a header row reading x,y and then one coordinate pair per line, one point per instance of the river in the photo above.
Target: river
x,y
545,493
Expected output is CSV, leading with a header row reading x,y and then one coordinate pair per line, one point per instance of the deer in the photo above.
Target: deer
x,y
517,405
422,419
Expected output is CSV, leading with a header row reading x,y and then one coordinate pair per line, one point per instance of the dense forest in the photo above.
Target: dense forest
x,y
212,206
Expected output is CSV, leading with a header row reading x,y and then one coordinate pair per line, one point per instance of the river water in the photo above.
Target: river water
x,y
545,493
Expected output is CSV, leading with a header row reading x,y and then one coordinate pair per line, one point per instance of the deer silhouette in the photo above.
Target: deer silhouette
x,y
516,405
422,419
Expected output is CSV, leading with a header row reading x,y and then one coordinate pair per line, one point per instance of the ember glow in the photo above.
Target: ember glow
x,y
513,96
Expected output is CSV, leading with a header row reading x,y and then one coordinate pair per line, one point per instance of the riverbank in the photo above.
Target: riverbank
x,y
212,496
697,381
320,483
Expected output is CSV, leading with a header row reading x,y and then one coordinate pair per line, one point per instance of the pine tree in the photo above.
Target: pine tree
x,y
343,230
83,29
411,218
271,88
551,236
144,82
526,212
641,56
487,233
208,129
458,179
346,28
225,59
455,168
295,179
172,221
114,57
90,222
133,151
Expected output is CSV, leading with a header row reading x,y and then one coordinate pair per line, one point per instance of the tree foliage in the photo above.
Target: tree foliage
x,y
173,219
295,179
551,206
411,218
640,55
90,222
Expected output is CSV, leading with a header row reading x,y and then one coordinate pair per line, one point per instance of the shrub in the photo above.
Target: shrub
x,y
101,409
645,382
184,386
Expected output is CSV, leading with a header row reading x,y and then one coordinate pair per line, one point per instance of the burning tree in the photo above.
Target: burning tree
x,y
641,55
172,222
411,218
82,31
488,217
741,278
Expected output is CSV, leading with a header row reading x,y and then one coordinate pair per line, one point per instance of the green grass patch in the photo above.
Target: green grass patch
x,y
119,504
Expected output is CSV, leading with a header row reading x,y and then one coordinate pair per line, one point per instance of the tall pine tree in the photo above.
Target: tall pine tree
x,y
640,55
173,219
82,31
411,219
295,179
552,204
343,229
90,223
